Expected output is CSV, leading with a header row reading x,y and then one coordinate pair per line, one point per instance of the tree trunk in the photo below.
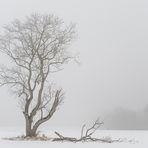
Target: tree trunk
x,y
29,131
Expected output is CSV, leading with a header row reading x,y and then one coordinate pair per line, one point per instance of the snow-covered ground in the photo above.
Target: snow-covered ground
x,y
131,139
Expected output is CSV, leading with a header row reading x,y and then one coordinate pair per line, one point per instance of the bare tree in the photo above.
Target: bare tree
x,y
37,47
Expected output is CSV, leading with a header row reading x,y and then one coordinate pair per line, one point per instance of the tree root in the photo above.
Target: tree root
x,y
24,138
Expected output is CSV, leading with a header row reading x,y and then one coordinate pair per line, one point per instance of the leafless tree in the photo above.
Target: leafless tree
x,y
37,47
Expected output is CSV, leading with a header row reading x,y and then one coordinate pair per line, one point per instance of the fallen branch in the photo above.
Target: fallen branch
x,y
84,139
86,135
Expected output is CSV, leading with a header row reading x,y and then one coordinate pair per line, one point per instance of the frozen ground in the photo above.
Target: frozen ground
x,y
139,139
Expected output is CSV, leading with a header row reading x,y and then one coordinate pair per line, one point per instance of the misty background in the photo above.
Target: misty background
x,y
111,81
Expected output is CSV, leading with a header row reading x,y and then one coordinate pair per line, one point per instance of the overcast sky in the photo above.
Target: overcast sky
x,y
113,46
